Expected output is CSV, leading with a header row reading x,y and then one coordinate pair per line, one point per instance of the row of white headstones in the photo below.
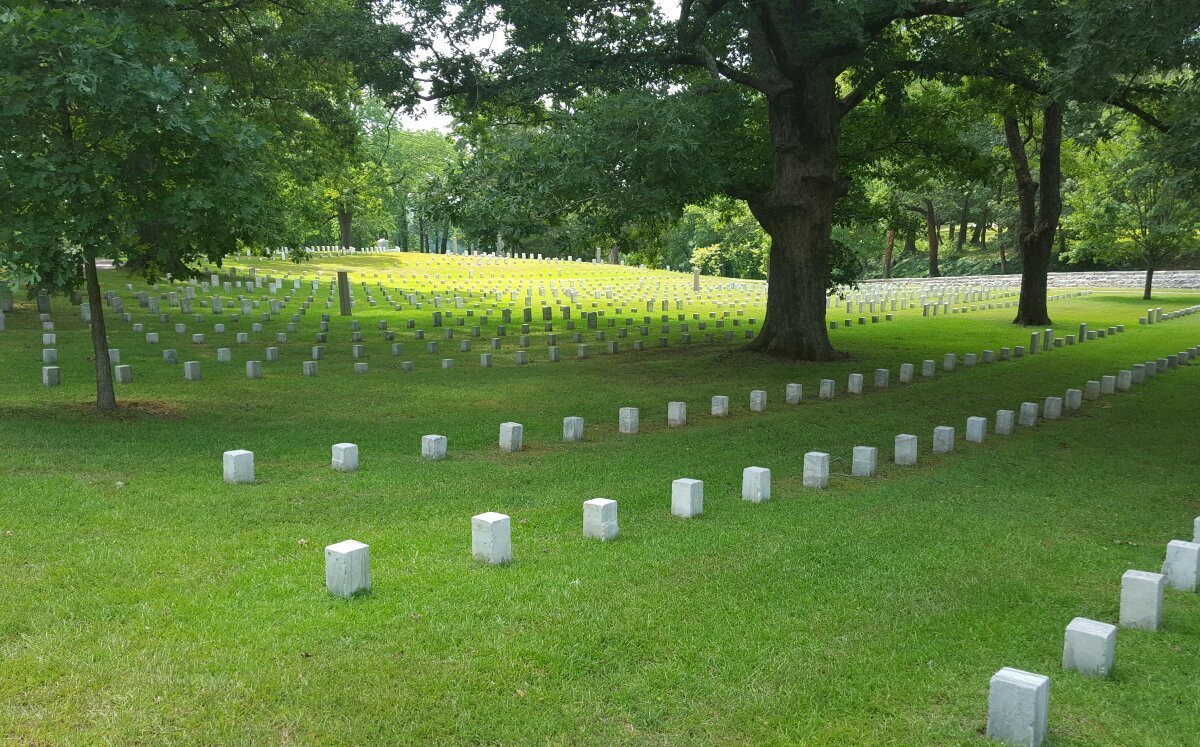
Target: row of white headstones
x,y
51,374
1018,701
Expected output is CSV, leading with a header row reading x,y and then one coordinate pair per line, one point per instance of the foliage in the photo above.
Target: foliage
x,y
1133,206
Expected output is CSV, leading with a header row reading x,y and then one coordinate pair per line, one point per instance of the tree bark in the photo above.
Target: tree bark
x,y
614,254
1149,283
966,216
106,396
1040,205
797,213
887,253
931,231
344,218
402,227
910,243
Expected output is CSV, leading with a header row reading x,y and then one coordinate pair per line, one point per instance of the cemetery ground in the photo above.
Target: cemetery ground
x,y
147,601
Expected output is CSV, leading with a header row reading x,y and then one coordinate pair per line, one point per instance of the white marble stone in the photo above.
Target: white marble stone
x,y
1142,599
347,568
882,378
511,436
1004,422
433,447
239,466
1018,707
123,374
793,393
758,400
943,439
927,368
816,469
720,406
1182,565
1089,647
1029,414
491,538
572,429
854,384
1052,408
756,484
600,519
906,450
865,461
1073,400
948,361
827,389
687,497
906,373
676,414
977,429
345,458
627,420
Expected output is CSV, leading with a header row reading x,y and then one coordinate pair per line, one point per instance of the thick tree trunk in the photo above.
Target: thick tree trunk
x,y
887,253
797,213
344,217
1040,205
910,243
1149,282
931,232
106,396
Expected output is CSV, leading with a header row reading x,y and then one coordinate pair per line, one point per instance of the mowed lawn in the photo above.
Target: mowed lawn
x,y
146,601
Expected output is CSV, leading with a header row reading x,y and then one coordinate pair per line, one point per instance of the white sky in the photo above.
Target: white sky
x,y
428,117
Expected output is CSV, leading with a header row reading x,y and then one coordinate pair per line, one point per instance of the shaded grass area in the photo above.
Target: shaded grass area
x,y
146,601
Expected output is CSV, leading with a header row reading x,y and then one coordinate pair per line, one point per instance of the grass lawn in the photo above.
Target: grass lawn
x,y
146,601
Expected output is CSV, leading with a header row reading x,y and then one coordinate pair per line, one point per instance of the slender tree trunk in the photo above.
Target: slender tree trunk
x,y
614,254
910,243
1040,205
423,238
403,227
977,233
1149,282
887,253
797,213
962,224
931,232
106,396
344,217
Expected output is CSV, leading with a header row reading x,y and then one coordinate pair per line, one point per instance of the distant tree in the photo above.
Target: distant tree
x,y
1134,207
157,133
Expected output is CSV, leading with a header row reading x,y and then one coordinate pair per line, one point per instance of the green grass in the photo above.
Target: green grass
x,y
145,601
